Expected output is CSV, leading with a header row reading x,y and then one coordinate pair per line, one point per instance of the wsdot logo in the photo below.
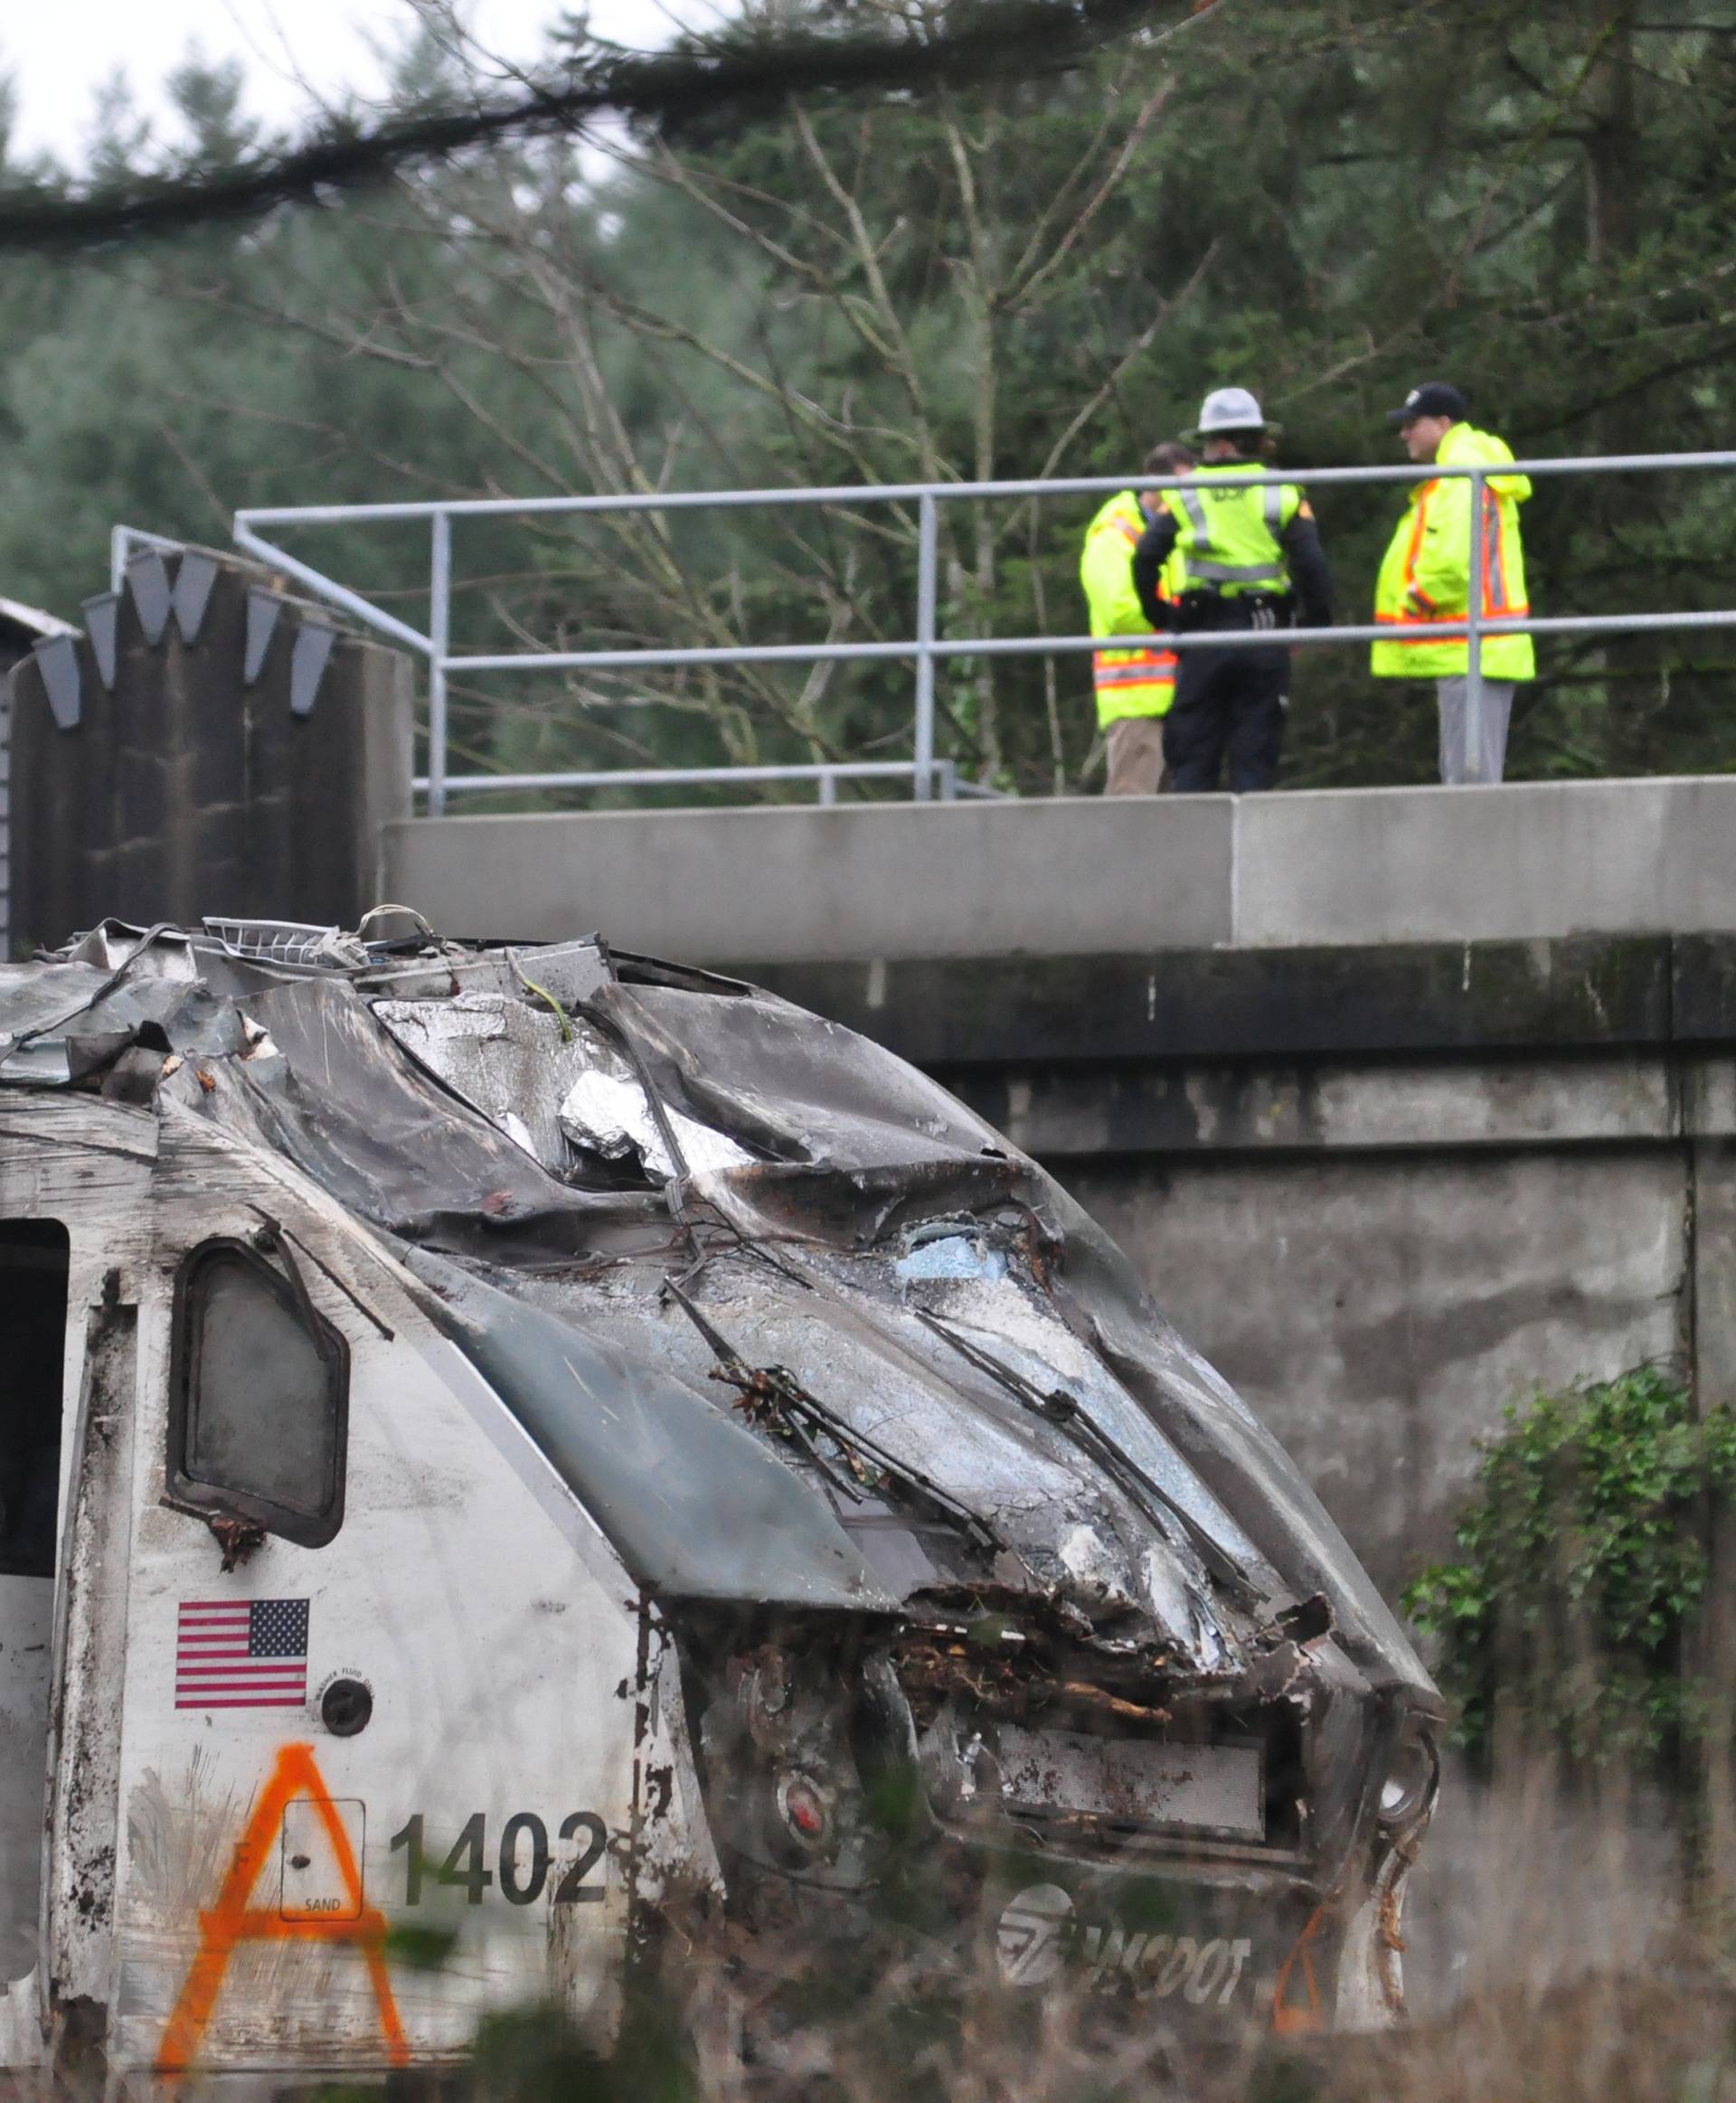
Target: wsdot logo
x,y
1031,1939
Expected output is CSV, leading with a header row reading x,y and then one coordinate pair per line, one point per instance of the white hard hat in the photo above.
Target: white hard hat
x,y
1229,408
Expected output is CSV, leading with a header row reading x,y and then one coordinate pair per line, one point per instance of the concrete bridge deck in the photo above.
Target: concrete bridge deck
x,y
1077,876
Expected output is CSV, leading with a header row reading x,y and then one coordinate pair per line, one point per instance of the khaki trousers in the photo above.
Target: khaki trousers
x,y
1136,745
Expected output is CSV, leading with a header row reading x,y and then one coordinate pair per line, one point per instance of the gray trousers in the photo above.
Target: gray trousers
x,y
1473,750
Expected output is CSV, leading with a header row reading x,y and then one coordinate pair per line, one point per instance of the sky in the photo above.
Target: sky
x,y
57,54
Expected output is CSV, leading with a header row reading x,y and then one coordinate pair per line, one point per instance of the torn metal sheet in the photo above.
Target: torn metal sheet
x,y
35,996
614,1430
611,1114
64,1020
492,1050
169,954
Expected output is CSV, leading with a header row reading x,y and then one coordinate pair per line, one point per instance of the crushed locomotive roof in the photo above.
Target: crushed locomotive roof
x,y
795,1326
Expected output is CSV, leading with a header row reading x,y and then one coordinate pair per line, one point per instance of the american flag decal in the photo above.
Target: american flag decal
x,y
241,1654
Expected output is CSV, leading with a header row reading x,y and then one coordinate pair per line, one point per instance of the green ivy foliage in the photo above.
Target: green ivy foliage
x,y
1581,1561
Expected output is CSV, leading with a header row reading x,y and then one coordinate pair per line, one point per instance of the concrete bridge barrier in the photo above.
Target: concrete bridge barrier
x,y
1077,876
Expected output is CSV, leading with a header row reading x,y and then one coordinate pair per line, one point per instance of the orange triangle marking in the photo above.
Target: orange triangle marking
x,y
295,1779
1287,2018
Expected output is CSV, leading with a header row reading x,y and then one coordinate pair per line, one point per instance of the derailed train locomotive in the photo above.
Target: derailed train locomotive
x,y
507,1447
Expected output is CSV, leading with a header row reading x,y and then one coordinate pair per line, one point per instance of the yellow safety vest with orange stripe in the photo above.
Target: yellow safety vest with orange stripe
x,y
1141,679
1425,574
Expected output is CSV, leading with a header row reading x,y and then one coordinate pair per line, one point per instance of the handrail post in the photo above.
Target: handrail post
x,y
1473,634
927,546
439,621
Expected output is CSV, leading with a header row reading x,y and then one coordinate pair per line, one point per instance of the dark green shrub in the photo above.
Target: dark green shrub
x,y
1581,1561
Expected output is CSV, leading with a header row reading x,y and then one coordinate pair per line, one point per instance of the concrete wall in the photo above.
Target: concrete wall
x,y
185,788
1072,876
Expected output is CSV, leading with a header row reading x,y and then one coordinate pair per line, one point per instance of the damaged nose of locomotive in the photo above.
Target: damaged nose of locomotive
x,y
1220,1851
967,1559
1145,1731
987,1611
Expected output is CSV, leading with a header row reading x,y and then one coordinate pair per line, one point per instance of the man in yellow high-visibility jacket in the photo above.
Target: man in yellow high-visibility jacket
x,y
1134,685
1426,576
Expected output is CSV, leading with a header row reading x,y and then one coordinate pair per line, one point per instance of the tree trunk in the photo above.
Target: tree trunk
x,y
1615,184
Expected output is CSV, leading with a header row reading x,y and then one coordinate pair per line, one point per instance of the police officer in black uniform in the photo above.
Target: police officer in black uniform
x,y
1254,560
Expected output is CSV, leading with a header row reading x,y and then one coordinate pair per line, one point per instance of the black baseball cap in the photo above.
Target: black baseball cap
x,y
1433,398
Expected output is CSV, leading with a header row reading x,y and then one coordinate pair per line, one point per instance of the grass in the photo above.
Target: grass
x,y
1554,1958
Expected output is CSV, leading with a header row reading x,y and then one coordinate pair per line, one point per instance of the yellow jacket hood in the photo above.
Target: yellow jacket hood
x,y
1464,446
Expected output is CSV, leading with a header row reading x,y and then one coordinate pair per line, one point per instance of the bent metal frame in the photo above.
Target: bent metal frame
x,y
929,775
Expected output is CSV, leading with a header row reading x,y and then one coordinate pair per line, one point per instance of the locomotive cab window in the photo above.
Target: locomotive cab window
x,y
258,1397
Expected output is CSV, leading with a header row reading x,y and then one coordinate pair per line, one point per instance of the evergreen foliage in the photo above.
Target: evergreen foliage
x,y
1013,277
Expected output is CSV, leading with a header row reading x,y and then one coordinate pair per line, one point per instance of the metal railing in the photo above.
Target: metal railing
x,y
929,774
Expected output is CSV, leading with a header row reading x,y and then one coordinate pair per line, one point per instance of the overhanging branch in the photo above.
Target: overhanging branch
x,y
993,39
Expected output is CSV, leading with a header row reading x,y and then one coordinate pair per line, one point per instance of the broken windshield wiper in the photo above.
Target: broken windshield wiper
x,y
770,1393
773,1392
1068,1415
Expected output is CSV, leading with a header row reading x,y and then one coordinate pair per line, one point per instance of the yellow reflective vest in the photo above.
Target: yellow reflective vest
x,y
1227,533
1426,575
1139,680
